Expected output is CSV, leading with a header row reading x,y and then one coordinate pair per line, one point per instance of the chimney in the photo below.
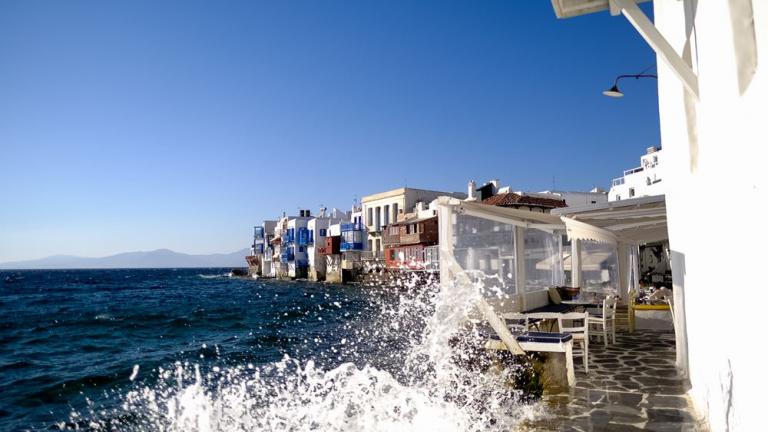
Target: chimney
x,y
471,189
307,213
495,183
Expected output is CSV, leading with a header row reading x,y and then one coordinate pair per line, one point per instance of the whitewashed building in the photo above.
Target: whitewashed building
x,y
713,99
644,180
295,243
318,232
381,209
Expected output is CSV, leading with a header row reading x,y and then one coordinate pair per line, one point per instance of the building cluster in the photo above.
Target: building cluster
x,y
392,231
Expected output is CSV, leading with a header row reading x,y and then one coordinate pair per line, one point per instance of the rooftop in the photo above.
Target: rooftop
x,y
511,199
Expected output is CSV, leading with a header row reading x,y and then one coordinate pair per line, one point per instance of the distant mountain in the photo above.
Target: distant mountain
x,y
161,258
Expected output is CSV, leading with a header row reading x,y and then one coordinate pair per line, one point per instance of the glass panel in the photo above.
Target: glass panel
x,y
485,249
599,267
543,261
565,247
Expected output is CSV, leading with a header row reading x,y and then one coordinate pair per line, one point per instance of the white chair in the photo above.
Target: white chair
x,y
604,321
580,332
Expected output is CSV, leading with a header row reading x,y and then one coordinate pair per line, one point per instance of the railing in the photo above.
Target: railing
x,y
618,181
346,247
388,239
633,170
351,227
372,255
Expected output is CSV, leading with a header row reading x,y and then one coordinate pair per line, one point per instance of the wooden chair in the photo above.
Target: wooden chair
x,y
580,332
605,320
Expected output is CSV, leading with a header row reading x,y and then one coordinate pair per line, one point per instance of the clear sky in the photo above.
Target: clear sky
x,y
139,125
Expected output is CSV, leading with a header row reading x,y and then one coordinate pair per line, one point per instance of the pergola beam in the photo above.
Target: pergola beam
x,y
658,43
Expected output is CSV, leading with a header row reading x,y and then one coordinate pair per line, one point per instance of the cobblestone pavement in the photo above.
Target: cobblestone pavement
x,y
631,386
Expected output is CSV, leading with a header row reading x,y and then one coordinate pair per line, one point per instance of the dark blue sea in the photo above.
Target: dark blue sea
x,y
117,349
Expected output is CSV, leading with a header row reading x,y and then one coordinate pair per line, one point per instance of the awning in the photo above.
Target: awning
x,y
635,221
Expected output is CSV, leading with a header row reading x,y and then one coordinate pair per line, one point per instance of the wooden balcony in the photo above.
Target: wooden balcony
x,y
390,237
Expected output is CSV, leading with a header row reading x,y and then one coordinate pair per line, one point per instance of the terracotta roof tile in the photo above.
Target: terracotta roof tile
x,y
512,199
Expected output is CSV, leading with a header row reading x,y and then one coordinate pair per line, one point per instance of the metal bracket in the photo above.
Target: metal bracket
x,y
658,43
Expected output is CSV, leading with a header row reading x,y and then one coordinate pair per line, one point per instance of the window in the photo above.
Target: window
x,y
631,192
594,202
391,254
369,222
322,232
386,214
301,248
394,212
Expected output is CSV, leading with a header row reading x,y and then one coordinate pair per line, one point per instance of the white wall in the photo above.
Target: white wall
x,y
715,149
639,181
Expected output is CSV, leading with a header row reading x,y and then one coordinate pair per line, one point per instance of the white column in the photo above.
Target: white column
x,y
520,265
623,259
576,263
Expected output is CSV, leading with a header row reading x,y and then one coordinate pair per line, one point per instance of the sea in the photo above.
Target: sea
x,y
198,350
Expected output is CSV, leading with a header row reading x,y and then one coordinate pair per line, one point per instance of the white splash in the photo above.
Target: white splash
x,y
430,391
135,372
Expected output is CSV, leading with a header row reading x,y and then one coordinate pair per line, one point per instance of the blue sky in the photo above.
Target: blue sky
x,y
142,125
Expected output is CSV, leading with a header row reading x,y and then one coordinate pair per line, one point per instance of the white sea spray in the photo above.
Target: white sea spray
x,y
431,391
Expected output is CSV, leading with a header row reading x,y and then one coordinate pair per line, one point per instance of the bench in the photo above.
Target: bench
x,y
542,342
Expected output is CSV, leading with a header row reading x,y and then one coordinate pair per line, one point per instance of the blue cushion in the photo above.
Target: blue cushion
x,y
556,308
543,337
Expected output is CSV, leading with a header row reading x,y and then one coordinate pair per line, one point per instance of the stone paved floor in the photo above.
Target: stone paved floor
x,y
630,386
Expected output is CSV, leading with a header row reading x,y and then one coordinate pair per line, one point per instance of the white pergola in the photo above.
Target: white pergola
x,y
624,224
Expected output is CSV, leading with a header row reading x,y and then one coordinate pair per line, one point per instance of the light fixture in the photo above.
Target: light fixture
x,y
614,91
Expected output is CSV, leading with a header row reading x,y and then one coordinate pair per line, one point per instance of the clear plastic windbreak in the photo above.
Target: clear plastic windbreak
x,y
543,259
600,267
485,250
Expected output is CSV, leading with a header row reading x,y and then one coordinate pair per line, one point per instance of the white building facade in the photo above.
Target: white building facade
x,y
713,100
381,209
319,228
641,181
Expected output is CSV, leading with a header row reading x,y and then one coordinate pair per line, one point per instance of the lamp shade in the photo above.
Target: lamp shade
x,y
613,92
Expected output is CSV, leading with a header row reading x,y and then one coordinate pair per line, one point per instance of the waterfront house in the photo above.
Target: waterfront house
x,y
382,209
260,249
331,253
353,236
641,181
411,242
278,268
318,232
294,246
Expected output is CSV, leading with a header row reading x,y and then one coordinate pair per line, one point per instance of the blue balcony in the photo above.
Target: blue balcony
x,y
351,246
258,233
287,256
289,236
346,227
302,238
